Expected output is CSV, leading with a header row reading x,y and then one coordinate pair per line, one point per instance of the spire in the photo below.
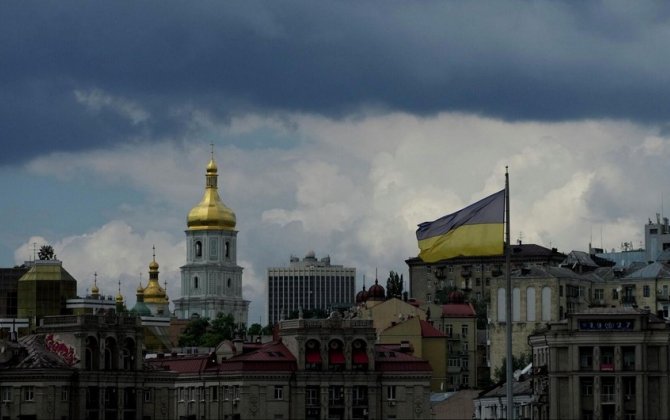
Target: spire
x,y
95,291
119,296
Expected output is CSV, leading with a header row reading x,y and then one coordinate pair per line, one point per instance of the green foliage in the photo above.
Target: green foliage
x,y
255,329
318,313
500,373
194,332
267,330
481,309
46,252
201,332
394,285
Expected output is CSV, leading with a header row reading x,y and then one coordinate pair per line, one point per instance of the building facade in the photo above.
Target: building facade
x,y
211,280
318,369
308,284
82,367
602,363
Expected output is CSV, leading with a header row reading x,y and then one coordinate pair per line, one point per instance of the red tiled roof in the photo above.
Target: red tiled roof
x,y
183,364
387,359
428,330
458,310
271,357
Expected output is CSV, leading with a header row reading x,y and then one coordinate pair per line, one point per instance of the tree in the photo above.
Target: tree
x,y
202,332
46,252
194,332
500,373
255,329
394,285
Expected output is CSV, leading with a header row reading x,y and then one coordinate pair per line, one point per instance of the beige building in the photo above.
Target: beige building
x,y
458,321
539,295
419,338
387,313
602,363
429,282
318,369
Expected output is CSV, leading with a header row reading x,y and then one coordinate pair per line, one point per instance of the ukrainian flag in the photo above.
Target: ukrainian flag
x,y
476,230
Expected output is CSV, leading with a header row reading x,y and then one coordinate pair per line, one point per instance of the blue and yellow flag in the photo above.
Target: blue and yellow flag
x,y
476,230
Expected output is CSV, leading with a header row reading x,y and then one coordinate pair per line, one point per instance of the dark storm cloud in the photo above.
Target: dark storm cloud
x,y
512,60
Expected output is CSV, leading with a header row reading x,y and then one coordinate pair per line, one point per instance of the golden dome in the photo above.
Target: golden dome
x,y
211,213
119,298
140,289
154,293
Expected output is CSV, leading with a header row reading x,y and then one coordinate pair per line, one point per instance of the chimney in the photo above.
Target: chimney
x,y
239,345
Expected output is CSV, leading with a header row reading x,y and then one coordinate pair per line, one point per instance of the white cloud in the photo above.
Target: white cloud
x,y
357,188
97,100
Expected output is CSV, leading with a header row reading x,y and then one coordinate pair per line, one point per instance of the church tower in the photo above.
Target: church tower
x,y
211,280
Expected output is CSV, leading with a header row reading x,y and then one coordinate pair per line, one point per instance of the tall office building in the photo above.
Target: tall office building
x,y
211,280
308,284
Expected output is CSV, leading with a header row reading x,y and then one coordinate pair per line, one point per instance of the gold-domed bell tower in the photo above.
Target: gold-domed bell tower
x,y
211,280
155,297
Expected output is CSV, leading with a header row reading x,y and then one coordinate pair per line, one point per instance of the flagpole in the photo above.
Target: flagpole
x,y
508,306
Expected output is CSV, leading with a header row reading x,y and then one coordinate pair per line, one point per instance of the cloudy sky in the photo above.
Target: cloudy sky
x,y
338,127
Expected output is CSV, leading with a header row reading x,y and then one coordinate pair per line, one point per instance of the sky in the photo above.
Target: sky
x,y
337,127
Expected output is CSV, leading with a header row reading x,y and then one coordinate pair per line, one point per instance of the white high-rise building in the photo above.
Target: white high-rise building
x,y
308,284
211,280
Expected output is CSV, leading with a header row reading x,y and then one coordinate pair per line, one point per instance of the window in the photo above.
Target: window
x,y
599,294
214,393
464,331
464,363
465,379
487,281
226,393
391,392
6,393
227,246
360,395
279,392
448,330
645,291
560,291
64,394
236,392
198,249
195,282
229,282
312,395
28,393
147,395
202,394
454,362
586,385
335,395
615,294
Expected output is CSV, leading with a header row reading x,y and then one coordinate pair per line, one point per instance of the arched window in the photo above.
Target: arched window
x,y
546,304
111,354
227,249
530,304
195,282
516,304
230,282
359,355
501,305
313,355
128,355
336,360
92,354
198,249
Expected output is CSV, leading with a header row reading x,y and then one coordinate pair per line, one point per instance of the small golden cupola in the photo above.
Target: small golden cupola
x,y
211,213
154,293
119,296
95,292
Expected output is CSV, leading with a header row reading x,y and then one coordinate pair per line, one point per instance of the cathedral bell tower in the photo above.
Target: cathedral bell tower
x,y
211,280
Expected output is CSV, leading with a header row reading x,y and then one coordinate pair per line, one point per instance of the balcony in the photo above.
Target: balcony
x,y
607,367
607,398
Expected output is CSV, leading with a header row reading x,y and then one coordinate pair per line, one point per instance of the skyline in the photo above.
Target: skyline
x,y
337,129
